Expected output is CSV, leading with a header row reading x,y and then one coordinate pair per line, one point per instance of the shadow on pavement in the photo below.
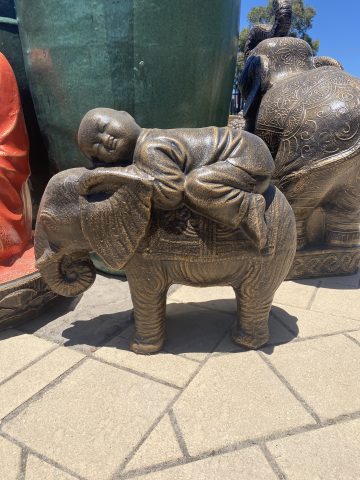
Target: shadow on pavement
x,y
191,328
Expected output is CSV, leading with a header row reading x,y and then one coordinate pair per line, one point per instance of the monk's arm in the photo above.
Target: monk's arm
x,y
162,159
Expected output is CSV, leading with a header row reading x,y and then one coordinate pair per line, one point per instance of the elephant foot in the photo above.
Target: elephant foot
x,y
249,341
142,347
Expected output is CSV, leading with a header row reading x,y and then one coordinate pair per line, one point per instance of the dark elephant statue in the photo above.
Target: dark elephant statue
x,y
307,110
158,248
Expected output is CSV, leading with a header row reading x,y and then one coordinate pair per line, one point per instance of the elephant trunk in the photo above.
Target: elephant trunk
x,y
280,28
68,275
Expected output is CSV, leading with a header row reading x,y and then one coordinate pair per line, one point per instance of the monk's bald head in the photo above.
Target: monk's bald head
x,y
108,136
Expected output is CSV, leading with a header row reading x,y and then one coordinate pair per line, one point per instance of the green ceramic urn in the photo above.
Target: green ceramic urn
x,y
168,63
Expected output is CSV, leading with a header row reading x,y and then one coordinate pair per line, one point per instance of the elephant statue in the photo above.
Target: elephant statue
x,y
307,110
110,213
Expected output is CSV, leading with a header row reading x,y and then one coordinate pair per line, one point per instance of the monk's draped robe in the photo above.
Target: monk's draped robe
x,y
15,203
219,173
214,171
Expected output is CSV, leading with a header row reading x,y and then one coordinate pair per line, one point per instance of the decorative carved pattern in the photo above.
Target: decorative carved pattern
x,y
309,118
22,298
319,263
186,235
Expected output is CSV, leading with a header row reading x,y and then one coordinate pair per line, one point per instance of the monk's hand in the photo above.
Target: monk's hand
x,y
109,180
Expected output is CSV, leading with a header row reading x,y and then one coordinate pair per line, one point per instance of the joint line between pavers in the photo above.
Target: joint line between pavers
x,y
290,388
349,317
313,295
23,462
346,334
294,340
62,341
117,333
234,447
277,317
28,450
226,312
40,393
134,372
178,434
272,462
30,364
129,457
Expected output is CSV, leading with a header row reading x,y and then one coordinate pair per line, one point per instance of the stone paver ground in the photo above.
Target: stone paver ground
x,y
75,403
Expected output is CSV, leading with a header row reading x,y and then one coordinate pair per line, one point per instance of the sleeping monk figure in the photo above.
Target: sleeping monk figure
x,y
220,173
15,202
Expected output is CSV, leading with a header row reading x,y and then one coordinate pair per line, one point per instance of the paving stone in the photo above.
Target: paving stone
x,y
219,298
310,323
12,343
234,398
92,420
344,301
324,371
194,332
10,458
278,335
161,446
88,321
171,368
248,464
355,335
297,293
331,453
24,385
341,281
36,469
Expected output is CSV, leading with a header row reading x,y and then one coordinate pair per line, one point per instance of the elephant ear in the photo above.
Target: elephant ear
x,y
115,213
254,81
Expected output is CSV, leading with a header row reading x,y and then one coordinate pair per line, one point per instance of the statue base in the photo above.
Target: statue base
x,y
323,262
23,293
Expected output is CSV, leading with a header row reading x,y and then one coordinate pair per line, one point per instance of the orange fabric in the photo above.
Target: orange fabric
x,y
22,265
15,225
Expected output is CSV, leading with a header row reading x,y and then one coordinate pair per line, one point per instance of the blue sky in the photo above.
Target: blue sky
x,y
336,25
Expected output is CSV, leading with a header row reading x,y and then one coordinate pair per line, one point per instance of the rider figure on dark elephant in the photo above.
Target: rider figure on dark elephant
x,y
307,110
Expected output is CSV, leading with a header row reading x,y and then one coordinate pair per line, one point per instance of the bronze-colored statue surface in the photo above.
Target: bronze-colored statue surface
x,y
307,110
186,206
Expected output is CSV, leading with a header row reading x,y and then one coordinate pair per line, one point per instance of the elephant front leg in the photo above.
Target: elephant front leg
x,y
149,301
251,329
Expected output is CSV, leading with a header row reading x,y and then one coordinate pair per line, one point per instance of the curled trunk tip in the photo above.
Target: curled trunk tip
x,y
68,275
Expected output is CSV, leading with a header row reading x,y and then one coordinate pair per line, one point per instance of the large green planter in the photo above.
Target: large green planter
x,y
170,63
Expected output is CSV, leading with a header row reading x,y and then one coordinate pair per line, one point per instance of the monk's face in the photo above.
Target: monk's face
x,y
108,136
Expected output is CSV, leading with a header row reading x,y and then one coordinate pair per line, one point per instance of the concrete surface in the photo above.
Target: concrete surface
x,y
75,403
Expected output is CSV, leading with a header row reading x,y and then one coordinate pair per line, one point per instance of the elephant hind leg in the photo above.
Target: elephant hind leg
x,y
149,301
251,329
343,212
